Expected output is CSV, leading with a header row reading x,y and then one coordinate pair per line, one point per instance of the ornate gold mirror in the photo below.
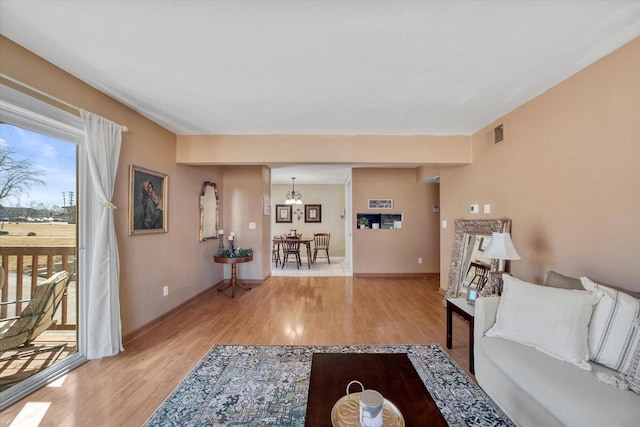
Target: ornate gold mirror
x,y
469,268
209,210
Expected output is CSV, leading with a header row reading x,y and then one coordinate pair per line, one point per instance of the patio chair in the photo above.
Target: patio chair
x,y
18,332
321,243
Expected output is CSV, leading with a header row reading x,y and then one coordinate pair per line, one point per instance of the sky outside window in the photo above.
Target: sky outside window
x,y
56,159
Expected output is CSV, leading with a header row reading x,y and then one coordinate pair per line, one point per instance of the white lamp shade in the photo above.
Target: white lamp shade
x,y
501,247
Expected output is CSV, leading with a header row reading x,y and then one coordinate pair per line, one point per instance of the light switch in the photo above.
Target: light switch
x,y
252,226
487,208
444,223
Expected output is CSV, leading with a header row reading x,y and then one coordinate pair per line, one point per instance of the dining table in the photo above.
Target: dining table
x,y
306,241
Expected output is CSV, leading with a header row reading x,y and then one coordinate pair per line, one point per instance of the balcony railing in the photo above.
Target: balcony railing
x,y
24,265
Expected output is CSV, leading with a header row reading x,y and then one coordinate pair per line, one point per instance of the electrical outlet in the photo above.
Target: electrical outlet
x,y
474,209
165,291
419,260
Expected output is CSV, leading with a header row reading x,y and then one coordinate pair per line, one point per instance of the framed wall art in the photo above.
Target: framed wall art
x,y
312,213
283,213
147,201
266,205
380,203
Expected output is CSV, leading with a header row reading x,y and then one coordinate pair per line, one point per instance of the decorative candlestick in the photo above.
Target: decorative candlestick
x,y
231,242
220,241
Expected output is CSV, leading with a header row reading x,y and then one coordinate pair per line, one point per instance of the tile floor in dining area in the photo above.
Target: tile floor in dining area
x,y
320,268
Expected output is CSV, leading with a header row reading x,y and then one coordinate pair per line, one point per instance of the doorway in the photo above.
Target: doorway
x,y
38,223
325,194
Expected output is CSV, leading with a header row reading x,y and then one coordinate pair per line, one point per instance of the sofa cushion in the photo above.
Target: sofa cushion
x,y
530,314
557,280
573,396
614,334
633,375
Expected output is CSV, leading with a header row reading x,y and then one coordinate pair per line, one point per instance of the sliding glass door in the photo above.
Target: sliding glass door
x,y
40,227
38,238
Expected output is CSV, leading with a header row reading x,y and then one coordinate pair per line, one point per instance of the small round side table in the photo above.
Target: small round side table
x,y
234,278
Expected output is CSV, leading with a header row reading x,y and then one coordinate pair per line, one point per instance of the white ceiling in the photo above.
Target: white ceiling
x,y
321,67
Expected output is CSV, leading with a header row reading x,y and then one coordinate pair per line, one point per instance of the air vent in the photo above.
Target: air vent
x,y
498,134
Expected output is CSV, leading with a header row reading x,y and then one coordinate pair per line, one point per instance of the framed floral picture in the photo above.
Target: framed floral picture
x,y
283,213
147,201
312,213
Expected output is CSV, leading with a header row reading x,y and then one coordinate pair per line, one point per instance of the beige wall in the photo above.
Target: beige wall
x,y
330,196
567,174
242,204
395,251
177,259
266,222
318,149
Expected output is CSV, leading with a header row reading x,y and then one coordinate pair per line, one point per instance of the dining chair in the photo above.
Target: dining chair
x,y
480,276
291,246
275,252
321,243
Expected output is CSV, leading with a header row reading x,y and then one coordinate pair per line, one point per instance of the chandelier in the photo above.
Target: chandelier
x,y
293,198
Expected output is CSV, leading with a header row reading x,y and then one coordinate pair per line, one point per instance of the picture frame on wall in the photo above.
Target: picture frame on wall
x,y
380,203
312,213
148,200
266,205
284,213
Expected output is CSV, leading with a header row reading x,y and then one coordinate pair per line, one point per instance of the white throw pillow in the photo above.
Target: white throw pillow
x,y
613,334
554,321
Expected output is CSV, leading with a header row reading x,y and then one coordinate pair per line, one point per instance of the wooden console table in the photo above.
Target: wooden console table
x,y
234,278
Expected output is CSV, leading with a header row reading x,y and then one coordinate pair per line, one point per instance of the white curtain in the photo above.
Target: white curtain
x,y
104,330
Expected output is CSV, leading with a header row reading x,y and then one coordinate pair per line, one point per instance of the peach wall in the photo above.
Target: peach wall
x,y
318,149
149,261
395,251
266,222
567,174
242,204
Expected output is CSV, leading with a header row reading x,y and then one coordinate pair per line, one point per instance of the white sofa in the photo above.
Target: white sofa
x,y
535,389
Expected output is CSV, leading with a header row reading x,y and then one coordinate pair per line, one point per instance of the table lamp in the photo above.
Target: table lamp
x,y
500,247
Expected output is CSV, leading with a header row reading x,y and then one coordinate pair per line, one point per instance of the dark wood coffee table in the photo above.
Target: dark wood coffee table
x,y
393,375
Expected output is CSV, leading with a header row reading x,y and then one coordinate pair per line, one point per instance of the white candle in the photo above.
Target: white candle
x,y
232,234
230,237
220,231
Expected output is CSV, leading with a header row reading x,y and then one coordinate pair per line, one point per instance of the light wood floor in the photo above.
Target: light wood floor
x,y
126,389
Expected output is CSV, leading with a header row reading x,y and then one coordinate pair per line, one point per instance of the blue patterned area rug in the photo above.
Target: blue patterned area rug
x,y
268,386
